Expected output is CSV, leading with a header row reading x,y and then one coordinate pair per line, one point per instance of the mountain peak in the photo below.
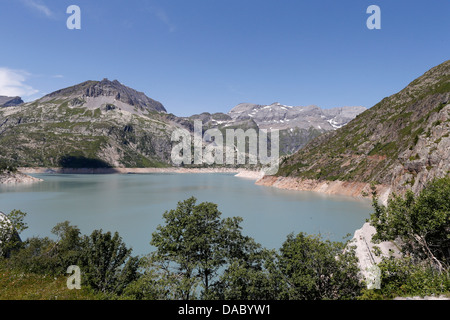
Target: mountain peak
x,y
113,90
279,116
10,101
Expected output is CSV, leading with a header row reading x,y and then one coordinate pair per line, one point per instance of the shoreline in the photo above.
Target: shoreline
x,y
345,188
239,172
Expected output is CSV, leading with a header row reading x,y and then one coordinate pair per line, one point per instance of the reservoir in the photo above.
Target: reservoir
x,y
133,205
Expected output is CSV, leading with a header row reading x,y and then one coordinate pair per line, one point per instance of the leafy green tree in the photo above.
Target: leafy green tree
x,y
421,223
107,264
253,278
46,256
68,248
34,256
193,247
153,283
405,277
313,269
104,259
11,225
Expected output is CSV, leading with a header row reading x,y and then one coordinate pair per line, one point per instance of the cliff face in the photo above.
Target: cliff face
x,y
403,142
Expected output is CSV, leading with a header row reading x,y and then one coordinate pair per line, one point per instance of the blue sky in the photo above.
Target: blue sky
x,y
209,55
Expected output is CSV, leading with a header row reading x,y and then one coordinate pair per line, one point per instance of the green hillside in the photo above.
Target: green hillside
x,y
402,141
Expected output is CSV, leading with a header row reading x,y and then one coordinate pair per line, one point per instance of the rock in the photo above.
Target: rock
x,y
370,254
18,177
253,175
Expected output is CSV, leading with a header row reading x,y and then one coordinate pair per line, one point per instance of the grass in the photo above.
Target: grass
x,y
17,285
388,149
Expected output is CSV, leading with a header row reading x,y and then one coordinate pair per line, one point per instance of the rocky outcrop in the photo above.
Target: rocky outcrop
x,y
10,101
429,158
18,177
369,254
401,143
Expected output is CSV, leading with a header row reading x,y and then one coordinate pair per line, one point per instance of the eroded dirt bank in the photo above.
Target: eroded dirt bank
x,y
353,189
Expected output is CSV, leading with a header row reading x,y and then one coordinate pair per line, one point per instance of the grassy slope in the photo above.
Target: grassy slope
x,y
368,147
16,285
42,134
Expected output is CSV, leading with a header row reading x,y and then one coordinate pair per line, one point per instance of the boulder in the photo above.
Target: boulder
x,y
370,254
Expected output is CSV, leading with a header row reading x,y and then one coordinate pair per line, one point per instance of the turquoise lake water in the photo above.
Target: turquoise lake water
x,y
133,205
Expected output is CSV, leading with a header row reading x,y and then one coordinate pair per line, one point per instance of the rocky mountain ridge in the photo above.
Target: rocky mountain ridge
x,y
93,124
10,101
107,124
278,116
297,125
403,142
94,93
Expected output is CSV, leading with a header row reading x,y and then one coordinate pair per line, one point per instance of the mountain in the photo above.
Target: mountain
x,y
10,101
95,93
298,125
92,124
402,142
107,124
278,116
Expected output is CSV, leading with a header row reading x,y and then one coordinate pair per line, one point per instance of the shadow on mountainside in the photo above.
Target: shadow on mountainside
x,y
78,162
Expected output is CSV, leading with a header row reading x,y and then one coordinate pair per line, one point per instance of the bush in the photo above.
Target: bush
x,y
7,168
34,257
404,277
421,223
46,256
106,262
313,269
11,225
253,278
